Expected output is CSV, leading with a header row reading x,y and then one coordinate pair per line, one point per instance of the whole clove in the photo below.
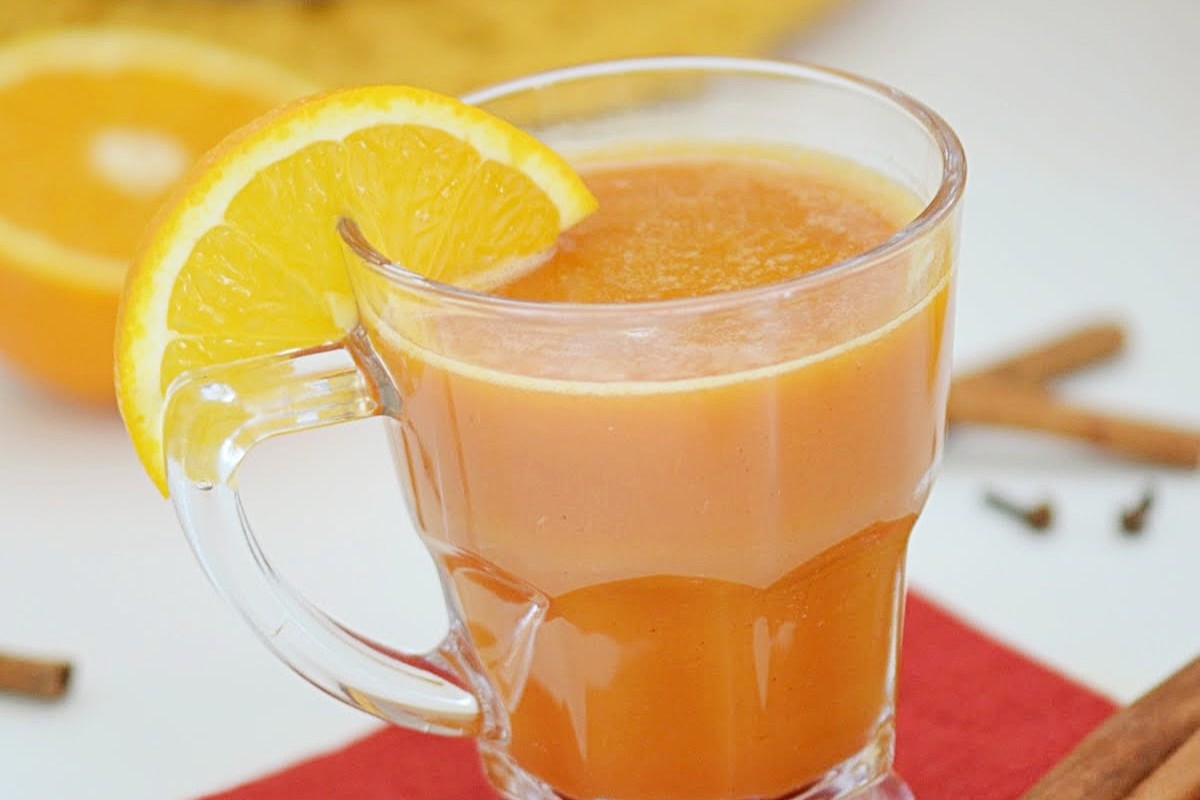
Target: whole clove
x,y
1133,519
1038,517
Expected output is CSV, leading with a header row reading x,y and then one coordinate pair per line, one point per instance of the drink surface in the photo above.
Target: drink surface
x,y
685,227
690,591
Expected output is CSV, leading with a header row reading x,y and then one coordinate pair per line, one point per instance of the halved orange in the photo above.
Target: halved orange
x,y
96,128
246,259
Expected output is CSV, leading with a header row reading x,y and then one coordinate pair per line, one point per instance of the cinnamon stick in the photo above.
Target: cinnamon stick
x,y
1080,348
34,677
1020,405
1178,778
1120,754
1014,392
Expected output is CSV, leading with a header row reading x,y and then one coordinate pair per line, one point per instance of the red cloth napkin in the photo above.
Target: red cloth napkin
x,y
976,721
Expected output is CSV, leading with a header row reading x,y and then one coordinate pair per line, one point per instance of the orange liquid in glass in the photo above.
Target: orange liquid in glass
x,y
690,592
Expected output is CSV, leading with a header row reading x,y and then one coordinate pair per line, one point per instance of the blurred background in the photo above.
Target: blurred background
x,y
1080,120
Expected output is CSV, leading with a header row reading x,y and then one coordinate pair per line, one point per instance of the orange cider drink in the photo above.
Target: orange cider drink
x,y
690,588
668,470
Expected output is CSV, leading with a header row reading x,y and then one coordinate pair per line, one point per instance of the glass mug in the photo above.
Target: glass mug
x,y
671,534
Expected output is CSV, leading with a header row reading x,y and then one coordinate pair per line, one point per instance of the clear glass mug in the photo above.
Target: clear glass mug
x,y
671,534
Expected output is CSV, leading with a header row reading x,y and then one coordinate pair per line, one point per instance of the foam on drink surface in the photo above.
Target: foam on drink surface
x,y
673,227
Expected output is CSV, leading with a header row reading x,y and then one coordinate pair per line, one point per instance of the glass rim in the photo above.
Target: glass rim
x,y
939,207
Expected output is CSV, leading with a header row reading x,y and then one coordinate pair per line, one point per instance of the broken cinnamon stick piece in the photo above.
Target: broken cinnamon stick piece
x,y
1080,348
1130,745
34,677
1002,402
1178,778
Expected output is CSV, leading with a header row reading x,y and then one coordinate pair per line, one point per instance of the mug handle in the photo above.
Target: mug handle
x,y
213,417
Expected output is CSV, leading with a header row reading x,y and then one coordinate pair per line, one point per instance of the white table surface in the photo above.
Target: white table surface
x,y
1082,121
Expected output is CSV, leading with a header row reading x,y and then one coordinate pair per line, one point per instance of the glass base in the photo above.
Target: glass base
x,y
891,787
866,776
